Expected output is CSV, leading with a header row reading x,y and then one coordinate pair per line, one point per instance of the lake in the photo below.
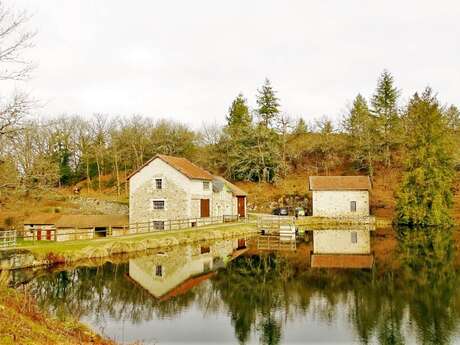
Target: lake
x,y
250,292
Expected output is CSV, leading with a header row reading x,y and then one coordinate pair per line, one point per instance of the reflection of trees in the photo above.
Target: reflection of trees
x,y
264,292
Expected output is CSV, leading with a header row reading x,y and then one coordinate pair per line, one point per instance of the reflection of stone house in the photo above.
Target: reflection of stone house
x,y
169,188
175,271
74,227
340,196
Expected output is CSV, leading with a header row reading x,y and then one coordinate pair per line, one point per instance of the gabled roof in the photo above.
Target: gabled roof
x,y
237,191
182,165
339,183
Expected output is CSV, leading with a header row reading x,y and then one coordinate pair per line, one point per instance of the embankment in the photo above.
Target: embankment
x,y
49,253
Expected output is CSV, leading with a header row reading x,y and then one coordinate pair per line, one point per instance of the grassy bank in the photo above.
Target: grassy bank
x,y
59,252
22,322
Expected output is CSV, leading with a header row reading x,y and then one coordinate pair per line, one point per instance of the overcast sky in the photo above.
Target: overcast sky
x,y
186,60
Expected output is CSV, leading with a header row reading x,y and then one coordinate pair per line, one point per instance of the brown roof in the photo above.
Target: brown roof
x,y
43,219
182,165
342,261
91,221
340,183
237,191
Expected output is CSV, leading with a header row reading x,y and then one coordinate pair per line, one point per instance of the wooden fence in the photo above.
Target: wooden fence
x,y
8,238
97,232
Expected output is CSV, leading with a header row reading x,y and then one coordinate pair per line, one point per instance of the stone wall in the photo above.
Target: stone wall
x,y
337,203
92,206
141,202
340,242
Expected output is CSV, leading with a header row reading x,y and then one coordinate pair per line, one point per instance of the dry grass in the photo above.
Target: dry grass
x,y
32,326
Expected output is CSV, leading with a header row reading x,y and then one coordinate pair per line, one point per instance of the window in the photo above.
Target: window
x,y
159,271
158,225
159,183
206,267
205,249
158,204
206,185
353,206
354,237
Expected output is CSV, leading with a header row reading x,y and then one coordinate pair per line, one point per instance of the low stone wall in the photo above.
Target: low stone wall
x,y
92,206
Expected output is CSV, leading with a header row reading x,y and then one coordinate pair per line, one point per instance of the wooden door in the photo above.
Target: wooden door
x,y
204,208
242,206
48,235
39,234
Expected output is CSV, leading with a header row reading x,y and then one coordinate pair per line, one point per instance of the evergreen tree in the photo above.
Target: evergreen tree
x,y
385,108
238,113
426,190
268,104
301,127
453,118
360,125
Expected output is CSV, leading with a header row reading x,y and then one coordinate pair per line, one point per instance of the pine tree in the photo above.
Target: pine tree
x,y
385,108
268,104
425,193
360,125
238,113
301,127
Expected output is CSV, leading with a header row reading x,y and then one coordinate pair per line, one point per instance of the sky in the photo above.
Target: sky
x,y
187,60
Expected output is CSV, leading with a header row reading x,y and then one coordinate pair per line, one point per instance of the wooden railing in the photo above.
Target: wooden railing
x,y
8,238
90,233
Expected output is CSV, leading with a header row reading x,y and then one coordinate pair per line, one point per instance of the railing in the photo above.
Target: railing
x,y
92,232
274,243
8,238
272,224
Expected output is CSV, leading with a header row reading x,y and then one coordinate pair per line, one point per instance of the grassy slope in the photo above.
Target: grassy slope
x,y
31,326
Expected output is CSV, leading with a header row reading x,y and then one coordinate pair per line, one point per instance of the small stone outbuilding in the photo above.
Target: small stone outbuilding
x,y
340,196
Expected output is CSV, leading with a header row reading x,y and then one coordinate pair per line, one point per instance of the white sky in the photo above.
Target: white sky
x,y
187,60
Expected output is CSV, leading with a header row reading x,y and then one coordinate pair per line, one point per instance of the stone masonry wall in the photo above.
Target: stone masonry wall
x,y
337,203
141,205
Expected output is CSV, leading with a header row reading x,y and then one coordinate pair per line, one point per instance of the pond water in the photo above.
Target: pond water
x,y
248,292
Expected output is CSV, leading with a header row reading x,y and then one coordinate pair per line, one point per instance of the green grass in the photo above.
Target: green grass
x,y
42,248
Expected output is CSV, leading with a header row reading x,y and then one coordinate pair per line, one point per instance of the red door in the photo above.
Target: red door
x,y
204,208
39,234
242,206
48,235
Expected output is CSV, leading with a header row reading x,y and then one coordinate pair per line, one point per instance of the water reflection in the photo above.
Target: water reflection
x,y
216,293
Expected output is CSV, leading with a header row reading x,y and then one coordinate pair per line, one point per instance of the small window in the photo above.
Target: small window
x,y
353,206
158,204
205,249
159,271
159,183
158,225
205,185
354,237
206,267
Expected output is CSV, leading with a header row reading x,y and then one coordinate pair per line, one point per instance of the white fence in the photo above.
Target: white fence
x,y
7,238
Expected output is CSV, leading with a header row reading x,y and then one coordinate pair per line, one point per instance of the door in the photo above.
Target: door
x,y
39,234
204,206
242,206
48,235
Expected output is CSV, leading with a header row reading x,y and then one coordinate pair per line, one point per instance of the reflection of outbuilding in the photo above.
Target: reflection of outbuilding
x,y
168,274
74,227
342,247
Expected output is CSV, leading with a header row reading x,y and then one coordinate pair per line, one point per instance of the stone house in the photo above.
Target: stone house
x,y
172,188
340,196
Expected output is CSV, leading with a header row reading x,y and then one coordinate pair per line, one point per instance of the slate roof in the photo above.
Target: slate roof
x,y
339,183
237,191
90,221
182,165
42,219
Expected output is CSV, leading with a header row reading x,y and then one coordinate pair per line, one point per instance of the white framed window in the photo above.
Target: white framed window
x,y
158,224
353,206
354,237
158,204
205,185
158,271
159,183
